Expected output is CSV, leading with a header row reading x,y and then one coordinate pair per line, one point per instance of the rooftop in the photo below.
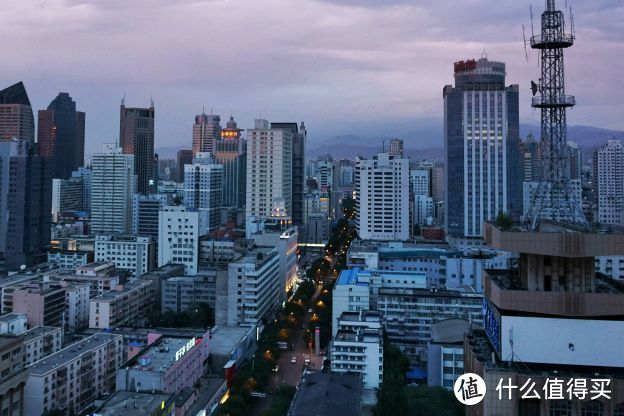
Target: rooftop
x,y
11,316
509,279
39,331
163,353
328,394
449,331
122,289
361,316
225,338
366,336
70,353
351,277
127,403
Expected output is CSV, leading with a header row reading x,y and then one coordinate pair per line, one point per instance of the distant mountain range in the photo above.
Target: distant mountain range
x,y
423,142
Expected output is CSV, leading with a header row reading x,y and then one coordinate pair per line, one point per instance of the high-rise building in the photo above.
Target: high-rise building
x,y
203,187
269,172
136,137
61,136
25,204
576,161
382,198
396,148
299,135
16,115
179,229
231,152
532,163
183,157
482,155
609,182
66,196
206,131
145,214
113,186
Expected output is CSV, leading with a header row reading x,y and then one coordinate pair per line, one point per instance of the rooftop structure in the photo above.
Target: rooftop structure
x,y
327,394
127,403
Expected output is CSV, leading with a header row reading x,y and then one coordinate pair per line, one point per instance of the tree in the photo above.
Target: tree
x,y
503,221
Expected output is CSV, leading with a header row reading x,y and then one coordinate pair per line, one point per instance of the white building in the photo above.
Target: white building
x,y
325,174
72,378
609,182
112,189
13,324
422,210
41,341
253,287
178,237
357,347
382,198
69,259
124,305
134,255
420,182
203,187
612,266
269,172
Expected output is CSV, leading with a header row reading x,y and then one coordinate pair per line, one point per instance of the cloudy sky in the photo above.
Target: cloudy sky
x,y
343,66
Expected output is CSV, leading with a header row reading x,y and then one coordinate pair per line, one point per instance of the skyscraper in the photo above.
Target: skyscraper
x,y
203,187
25,204
16,116
183,157
136,137
113,185
396,147
61,135
231,153
609,182
269,172
206,131
482,155
382,198
299,135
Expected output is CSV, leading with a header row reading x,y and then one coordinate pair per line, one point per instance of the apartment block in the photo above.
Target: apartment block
x,y
124,305
134,255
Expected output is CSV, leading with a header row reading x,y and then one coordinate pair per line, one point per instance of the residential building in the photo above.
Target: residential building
x,y
84,174
609,182
72,378
179,229
482,154
136,138
101,277
43,304
16,115
61,136
12,376
423,210
445,353
231,153
357,347
253,287
611,266
167,365
181,292
396,148
203,187
25,205
13,324
269,172
134,255
67,195
532,159
41,341
206,131
125,305
145,214
382,198
113,186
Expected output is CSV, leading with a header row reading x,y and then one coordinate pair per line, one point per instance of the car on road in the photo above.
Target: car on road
x,y
306,361
310,310
276,369
293,360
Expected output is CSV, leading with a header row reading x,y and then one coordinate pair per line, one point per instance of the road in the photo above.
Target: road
x,y
289,373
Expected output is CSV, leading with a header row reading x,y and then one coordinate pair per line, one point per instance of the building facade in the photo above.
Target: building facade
x,y
231,153
609,182
16,115
134,255
136,138
203,187
125,305
206,131
179,229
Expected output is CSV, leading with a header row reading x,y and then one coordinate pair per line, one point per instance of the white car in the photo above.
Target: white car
x,y
276,369
293,360
307,361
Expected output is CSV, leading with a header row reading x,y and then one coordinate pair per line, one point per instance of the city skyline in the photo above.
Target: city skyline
x,y
367,63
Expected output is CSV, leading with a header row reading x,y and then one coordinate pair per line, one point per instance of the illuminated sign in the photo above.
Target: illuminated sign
x,y
491,322
185,348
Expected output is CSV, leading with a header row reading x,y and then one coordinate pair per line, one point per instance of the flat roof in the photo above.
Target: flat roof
x,y
39,331
350,277
70,353
161,355
11,316
127,403
128,287
449,330
328,394
366,335
225,338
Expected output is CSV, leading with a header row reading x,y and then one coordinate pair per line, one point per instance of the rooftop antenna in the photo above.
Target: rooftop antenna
x,y
203,110
531,11
526,53
123,98
151,101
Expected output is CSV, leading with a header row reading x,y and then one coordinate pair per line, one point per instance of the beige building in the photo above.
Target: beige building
x,y
124,305
12,376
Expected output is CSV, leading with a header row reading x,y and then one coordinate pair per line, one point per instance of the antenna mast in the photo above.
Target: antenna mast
x,y
554,198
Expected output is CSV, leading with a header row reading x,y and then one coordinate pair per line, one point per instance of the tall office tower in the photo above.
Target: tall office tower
x,y
231,153
25,204
61,136
136,137
532,160
396,148
382,198
482,154
183,157
299,135
203,187
84,174
66,196
609,182
206,131
575,164
269,172
112,189
16,116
